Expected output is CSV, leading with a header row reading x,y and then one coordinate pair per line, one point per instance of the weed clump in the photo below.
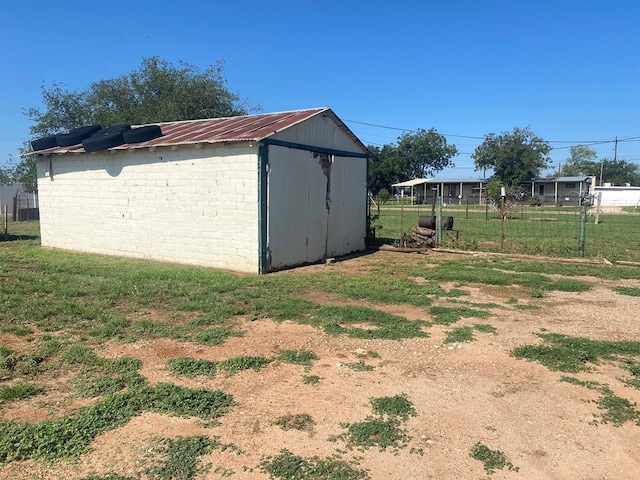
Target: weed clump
x,y
298,421
288,466
572,354
492,459
382,430
19,391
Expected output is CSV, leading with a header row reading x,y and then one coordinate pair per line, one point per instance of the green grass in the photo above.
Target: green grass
x,y
181,458
215,336
363,322
19,391
459,335
396,406
191,367
574,354
287,466
485,328
631,291
447,315
614,238
62,307
618,410
300,357
238,364
634,369
375,432
383,429
492,459
69,437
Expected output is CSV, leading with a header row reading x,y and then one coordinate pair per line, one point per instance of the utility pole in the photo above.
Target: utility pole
x,y
615,150
601,168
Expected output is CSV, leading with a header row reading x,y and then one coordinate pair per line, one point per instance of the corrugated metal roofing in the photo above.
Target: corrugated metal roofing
x,y
245,128
562,179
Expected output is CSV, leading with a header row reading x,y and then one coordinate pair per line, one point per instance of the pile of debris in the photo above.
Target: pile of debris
x,y
419,237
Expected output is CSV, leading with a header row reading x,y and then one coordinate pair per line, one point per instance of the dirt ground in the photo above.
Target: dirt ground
x,y
463,393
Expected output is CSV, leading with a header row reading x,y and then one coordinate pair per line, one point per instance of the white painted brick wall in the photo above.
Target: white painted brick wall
x,y
188,206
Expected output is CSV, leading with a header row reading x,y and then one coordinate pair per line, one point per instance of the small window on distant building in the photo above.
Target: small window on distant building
x,y
571,185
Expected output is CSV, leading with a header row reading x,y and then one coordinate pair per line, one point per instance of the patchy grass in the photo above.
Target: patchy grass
x,y
238,364
300,357
19,391
298,421
459,335
62,307
68,437
215,336
631,291
574,354
485,328
396,406
363,322
375,432
311,379
634,369
383,430
191,367
448,315
360,366
495,272
618,410
287,466
181,457
492,459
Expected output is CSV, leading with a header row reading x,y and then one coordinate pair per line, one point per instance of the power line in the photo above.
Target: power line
x,y
632,138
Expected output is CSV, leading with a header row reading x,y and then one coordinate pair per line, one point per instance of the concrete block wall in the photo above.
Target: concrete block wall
x,y
184,205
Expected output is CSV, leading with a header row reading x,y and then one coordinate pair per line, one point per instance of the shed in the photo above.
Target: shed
x,y
254,193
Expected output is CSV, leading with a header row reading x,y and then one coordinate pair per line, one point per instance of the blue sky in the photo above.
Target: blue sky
x,y
569,70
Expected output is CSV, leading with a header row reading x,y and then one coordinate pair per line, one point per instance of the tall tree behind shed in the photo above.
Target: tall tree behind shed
x,y
157,92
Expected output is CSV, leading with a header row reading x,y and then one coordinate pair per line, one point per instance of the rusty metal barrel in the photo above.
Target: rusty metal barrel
x,y
429,221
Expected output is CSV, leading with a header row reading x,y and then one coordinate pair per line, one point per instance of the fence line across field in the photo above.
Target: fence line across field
x,y
593,231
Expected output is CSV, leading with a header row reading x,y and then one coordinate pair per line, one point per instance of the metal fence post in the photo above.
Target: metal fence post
x,y
583,229
439,223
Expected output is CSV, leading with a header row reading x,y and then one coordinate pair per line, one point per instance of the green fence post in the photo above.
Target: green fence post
x,y
583,229
439,222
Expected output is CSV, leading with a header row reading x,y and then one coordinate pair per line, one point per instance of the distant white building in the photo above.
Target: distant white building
x,y
618,196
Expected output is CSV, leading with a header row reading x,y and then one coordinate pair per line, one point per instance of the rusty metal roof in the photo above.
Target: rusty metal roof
x,y
244,128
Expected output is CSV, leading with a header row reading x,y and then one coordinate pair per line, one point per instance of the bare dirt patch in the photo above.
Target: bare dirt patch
x,y
463,393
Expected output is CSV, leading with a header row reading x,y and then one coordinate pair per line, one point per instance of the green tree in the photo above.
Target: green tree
x,y
6,175
616,172
383,169
423,154
515,157
583,162
157,92
580,155
25,173
416,155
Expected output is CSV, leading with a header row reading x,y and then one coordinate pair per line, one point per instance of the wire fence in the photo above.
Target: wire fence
x,y
609,232
18,205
